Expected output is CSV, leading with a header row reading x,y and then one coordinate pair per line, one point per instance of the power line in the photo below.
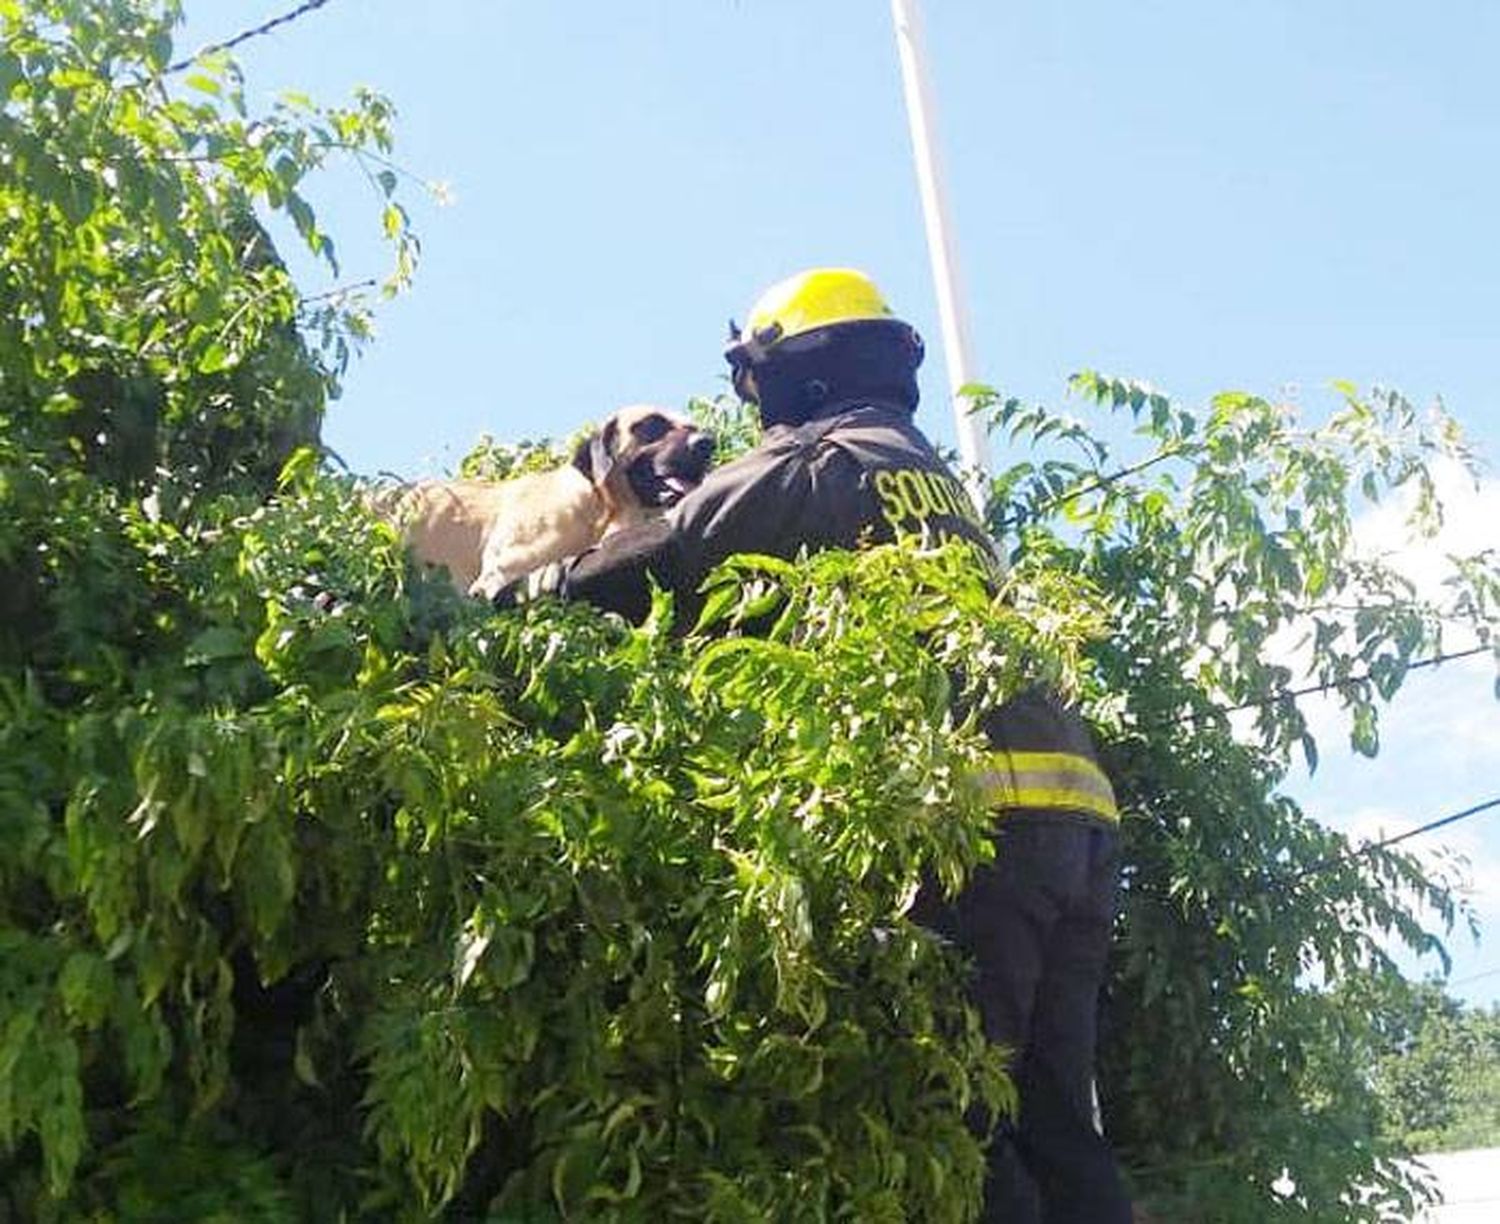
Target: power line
x,y
1474,977
246,35
1437,824
1104,480
338,291
1371,847
1310,689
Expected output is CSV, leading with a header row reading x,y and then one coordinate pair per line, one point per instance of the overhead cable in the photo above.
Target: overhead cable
x,y
1473,977
246,35
1310,689
1370,847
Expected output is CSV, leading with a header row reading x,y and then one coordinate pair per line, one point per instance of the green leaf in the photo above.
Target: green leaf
x,y
393,220
60,1125
1310,753
302,215
11,73
267,877
87,988
302,1061
299,469
1364,734
213,358
217,643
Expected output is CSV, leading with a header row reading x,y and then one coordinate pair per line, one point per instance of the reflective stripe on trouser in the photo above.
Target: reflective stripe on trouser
x,y
1060,781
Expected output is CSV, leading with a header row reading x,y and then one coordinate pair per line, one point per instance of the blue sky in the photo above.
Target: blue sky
x,y
1262,196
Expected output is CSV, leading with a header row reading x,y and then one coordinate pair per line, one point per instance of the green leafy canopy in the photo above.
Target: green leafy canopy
x,y
1438,1076
1253,965
325,893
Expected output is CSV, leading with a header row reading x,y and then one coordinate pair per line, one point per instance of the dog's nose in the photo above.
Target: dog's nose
x,y
702,447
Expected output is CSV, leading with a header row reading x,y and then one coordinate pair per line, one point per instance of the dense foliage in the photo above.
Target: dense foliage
x,y
533,906
1438,1077
323,891
1228,554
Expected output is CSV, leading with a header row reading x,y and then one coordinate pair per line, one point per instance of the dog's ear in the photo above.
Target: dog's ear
x,y
595,456
583,457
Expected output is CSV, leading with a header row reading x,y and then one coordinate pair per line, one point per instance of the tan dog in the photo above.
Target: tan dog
x,y
487,533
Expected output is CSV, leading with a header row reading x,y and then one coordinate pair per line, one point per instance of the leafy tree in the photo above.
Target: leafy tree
x,y
323,891
1229,1067
1438,1077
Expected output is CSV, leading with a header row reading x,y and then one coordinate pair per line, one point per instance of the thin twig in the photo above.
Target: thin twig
x,y
1100,481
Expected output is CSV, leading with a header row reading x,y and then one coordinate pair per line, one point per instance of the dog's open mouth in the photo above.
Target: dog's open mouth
x,y
661,489
663,476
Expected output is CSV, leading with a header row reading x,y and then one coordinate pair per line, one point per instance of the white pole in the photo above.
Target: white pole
x,y
953,318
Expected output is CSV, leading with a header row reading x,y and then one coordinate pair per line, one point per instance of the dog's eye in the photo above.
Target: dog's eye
x,y
651,429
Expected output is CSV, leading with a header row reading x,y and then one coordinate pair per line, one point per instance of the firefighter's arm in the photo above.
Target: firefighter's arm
x,y
618,574
752,505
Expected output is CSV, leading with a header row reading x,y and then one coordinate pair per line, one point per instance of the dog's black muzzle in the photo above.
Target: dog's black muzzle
x,y
664,472
701,448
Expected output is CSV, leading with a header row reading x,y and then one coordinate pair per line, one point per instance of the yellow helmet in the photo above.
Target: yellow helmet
x,y
818,331
819,297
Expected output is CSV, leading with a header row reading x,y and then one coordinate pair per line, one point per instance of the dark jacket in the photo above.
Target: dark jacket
x,y
858,476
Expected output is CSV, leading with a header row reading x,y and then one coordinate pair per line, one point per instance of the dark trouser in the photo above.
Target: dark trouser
x,y
1037,922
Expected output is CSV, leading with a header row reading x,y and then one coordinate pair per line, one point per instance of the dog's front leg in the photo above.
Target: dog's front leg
x,y
503,562
491,581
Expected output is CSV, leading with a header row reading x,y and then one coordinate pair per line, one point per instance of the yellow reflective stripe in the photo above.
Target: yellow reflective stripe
x,y
1050,780
1070,761
1055,799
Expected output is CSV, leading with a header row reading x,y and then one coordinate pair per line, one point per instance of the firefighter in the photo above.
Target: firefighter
x,y
833,374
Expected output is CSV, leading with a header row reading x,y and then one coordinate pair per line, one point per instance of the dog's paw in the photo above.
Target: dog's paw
x,y
489,584
544,580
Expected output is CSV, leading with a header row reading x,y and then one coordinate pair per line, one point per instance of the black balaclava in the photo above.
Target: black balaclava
x,y
837,368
